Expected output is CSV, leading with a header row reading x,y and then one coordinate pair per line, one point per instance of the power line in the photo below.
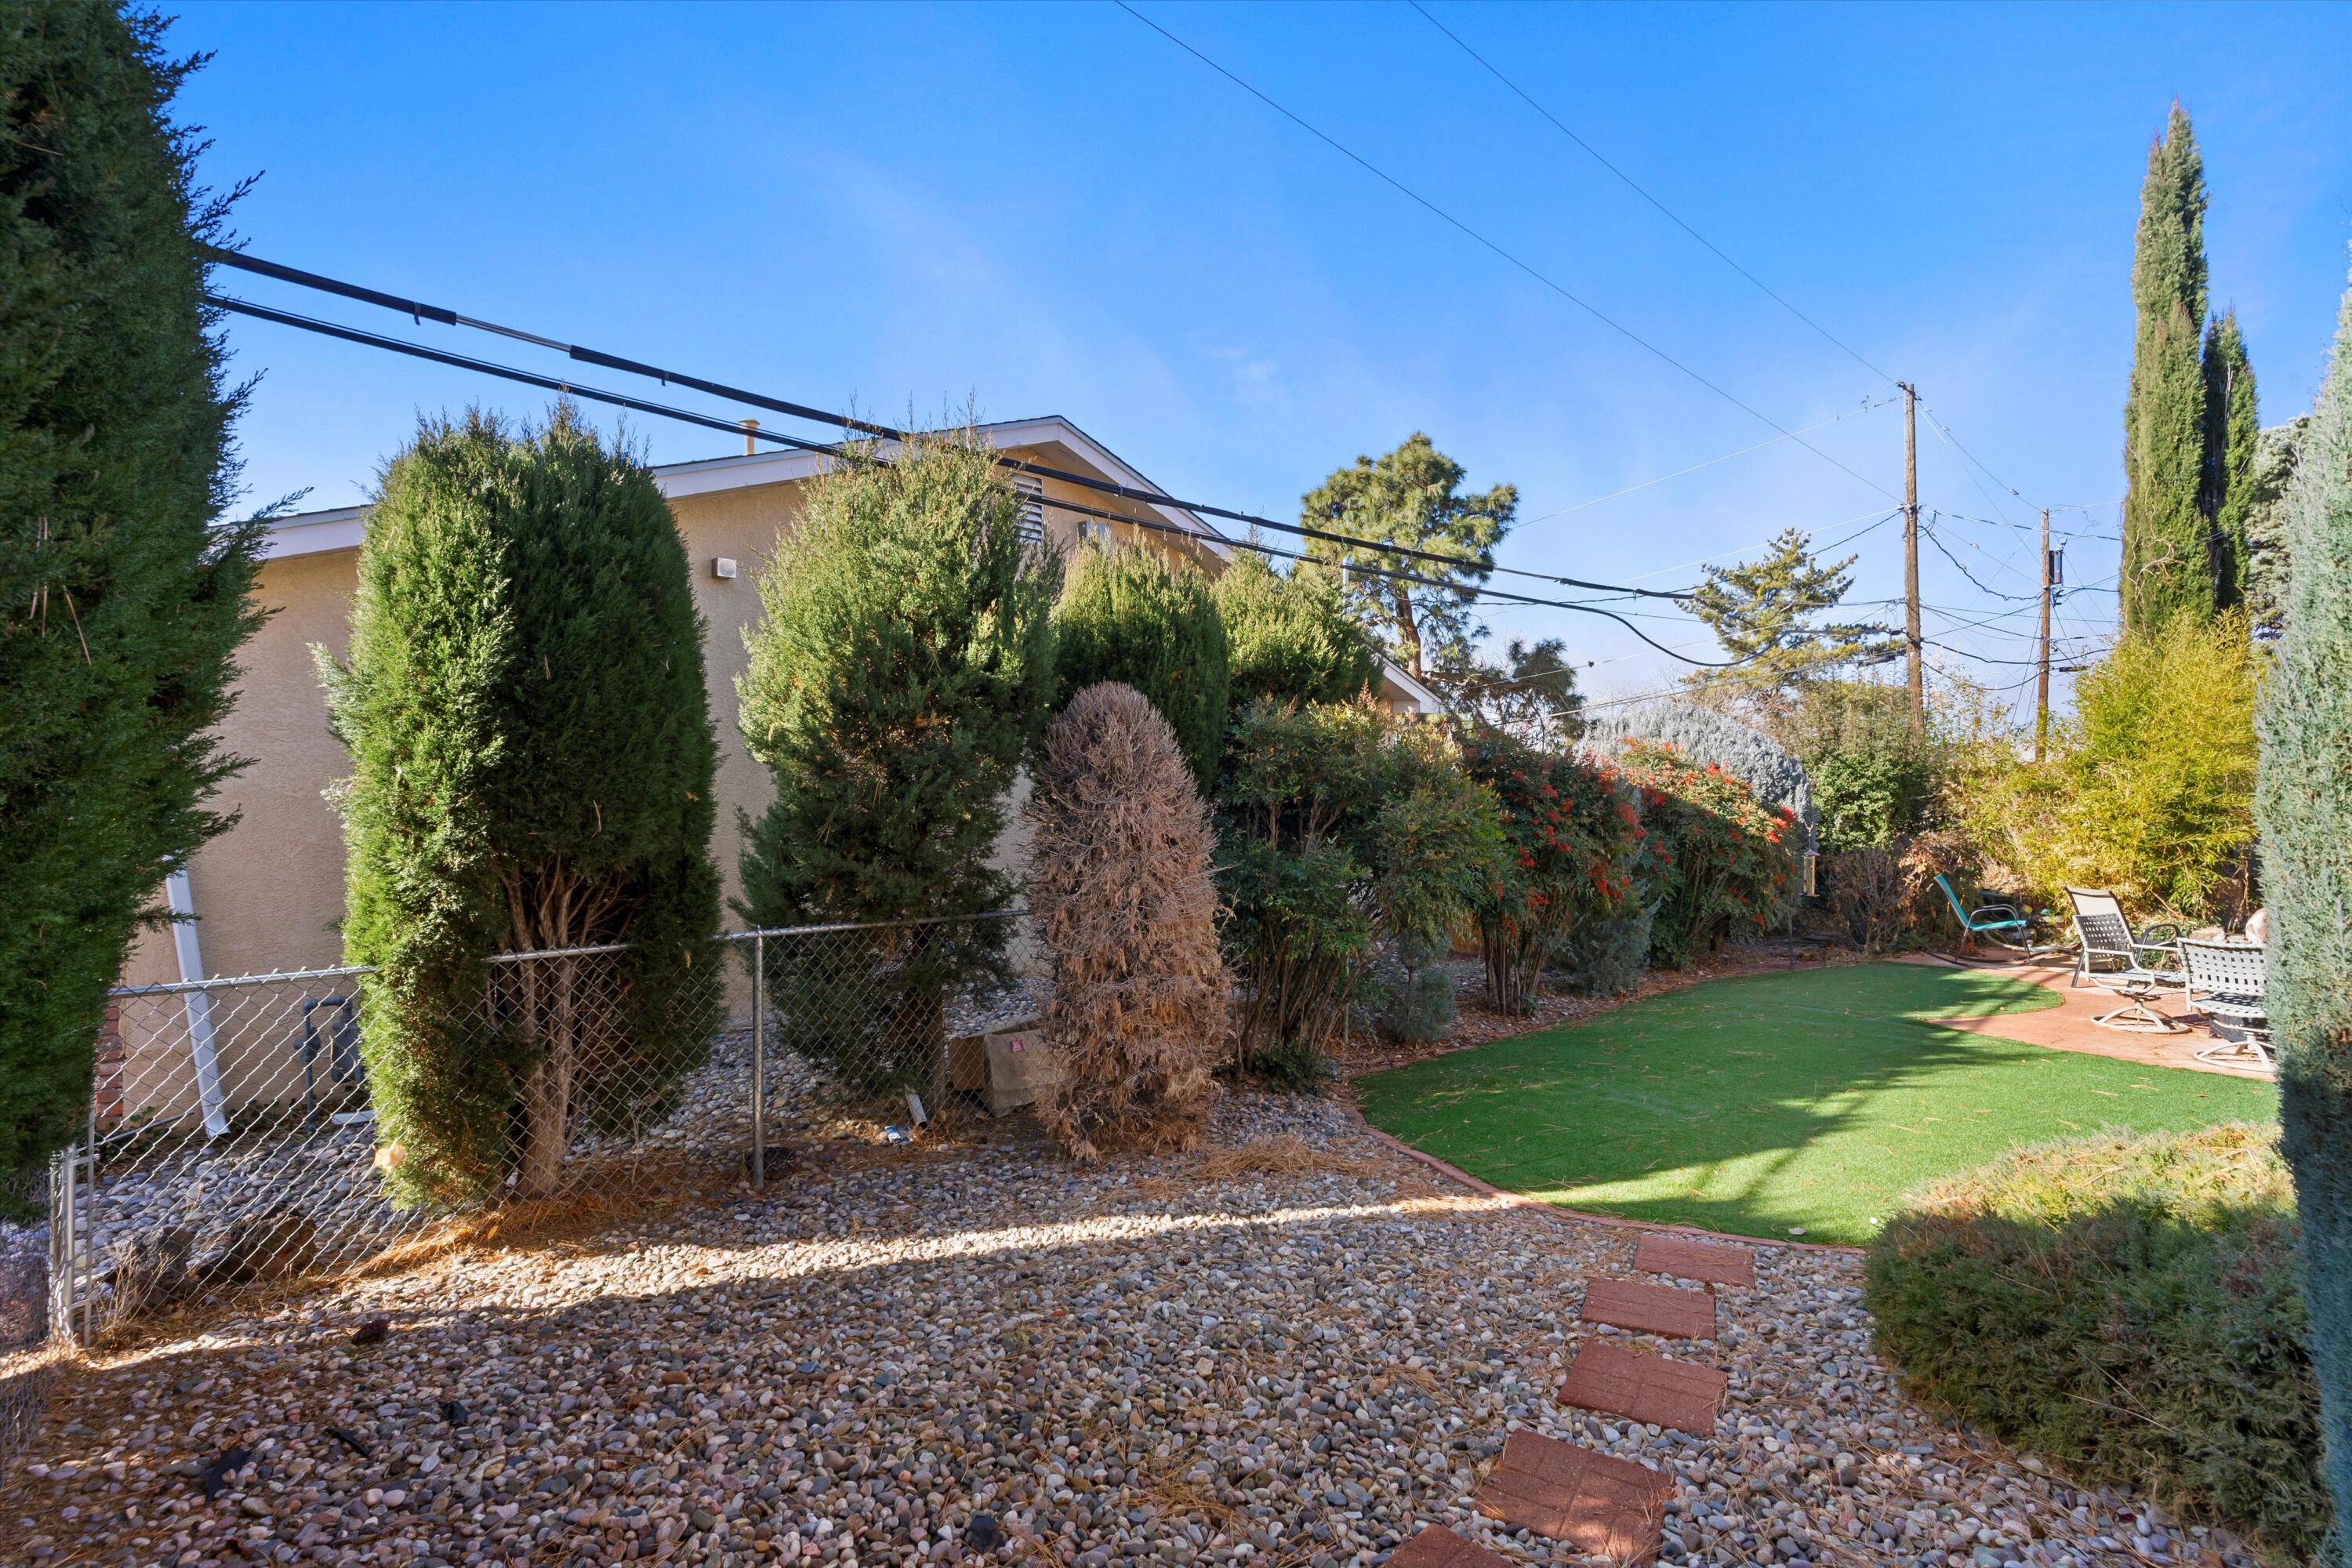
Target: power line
x,y
1845,347
642,405
419,311
1548,281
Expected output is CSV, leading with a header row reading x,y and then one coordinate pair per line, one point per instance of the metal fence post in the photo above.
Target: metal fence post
x,y
759,1064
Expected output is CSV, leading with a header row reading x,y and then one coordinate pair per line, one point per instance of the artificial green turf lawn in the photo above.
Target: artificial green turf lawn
x,y
1759,1104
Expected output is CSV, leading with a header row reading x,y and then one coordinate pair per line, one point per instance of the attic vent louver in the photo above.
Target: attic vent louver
x,y
1032,529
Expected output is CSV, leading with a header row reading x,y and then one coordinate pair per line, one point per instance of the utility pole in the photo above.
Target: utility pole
x,y
2041,675
1913,679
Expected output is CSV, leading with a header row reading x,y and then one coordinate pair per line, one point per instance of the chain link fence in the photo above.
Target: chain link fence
x,y
274,1127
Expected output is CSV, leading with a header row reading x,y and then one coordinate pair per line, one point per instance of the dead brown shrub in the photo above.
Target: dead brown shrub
x,y
1121,886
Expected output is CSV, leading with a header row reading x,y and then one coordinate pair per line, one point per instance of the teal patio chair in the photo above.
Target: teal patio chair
x,y
2002,924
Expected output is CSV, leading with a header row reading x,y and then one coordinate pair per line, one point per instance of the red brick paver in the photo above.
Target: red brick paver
x,y
1651,1309
1687,1259
1650,1388
1438,1547
1612,1508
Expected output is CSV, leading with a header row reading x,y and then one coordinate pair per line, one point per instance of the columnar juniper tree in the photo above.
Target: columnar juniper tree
x,y
532,769
903,666
2167,562
1287,638
2304,804
2233,439
1130,616
120,608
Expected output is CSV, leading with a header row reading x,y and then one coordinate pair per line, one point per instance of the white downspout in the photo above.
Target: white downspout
x,y
182,901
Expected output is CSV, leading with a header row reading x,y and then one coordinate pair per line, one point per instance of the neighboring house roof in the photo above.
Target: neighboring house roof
x,y
343,528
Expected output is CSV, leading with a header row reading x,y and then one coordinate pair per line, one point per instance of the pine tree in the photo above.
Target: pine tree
x,y
2233,438
2304,802
1130,616
1288,638
1531,694
1411,497
532,762
2168,557
121,605
1766,614
903,666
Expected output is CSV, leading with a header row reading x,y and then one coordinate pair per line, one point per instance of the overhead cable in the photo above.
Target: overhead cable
x,y
1546,280
419,310
665,411
1673,216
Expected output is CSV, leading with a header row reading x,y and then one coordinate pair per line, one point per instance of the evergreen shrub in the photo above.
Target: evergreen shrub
x,y
1720,861
1288,638
1131,616
902,667
2305,804
1122,887
532,762
1706,738
1572,840
1606,956
1411,995
1342,827
2128,1307
120,604
2147,787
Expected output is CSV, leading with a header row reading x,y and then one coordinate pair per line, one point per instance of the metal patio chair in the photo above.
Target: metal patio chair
x,y
2226,981
2134,965
2004,925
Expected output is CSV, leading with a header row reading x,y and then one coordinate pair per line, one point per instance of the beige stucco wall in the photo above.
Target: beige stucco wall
x,y
270,892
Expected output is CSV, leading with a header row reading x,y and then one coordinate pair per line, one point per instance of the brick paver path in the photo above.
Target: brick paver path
x,y
1651,1309
1686,1259
1646,1388
1438,1547
1610,1507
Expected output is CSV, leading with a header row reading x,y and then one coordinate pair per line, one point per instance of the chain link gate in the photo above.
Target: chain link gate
x,y
232,1139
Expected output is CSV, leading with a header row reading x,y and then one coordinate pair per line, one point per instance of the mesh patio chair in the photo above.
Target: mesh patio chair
x,y
2132,966
2004,925
2226,981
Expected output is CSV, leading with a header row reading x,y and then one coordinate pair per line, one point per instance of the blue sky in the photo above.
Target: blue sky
x,y
1054,209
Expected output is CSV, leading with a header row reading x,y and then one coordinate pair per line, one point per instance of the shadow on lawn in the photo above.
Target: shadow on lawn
x,y
1726,1086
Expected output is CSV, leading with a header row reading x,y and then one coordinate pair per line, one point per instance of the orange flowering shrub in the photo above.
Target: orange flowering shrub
x,y
1572,839
1722,859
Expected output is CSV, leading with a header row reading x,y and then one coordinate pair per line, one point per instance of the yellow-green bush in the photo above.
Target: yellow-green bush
x,y
2147,787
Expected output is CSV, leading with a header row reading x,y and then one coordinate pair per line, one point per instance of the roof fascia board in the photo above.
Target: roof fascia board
x,y
343,528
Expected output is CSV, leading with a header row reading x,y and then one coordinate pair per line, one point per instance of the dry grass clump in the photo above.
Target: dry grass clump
x,y
1285,1154
1121,891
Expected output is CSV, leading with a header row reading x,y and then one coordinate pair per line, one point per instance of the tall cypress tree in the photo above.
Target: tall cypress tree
x,y
2167,560
903,666
531,758
121,605
2233,439
2304,802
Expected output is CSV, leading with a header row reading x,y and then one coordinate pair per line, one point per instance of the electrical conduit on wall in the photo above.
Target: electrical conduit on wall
x,y
182,901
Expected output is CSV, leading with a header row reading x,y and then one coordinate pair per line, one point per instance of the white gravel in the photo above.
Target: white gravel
x,y
1294,1347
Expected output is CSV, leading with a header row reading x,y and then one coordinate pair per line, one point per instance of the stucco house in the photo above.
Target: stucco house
x,y
268,894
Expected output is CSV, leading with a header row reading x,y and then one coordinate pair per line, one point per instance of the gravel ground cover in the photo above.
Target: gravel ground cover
x,y
1293,1347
